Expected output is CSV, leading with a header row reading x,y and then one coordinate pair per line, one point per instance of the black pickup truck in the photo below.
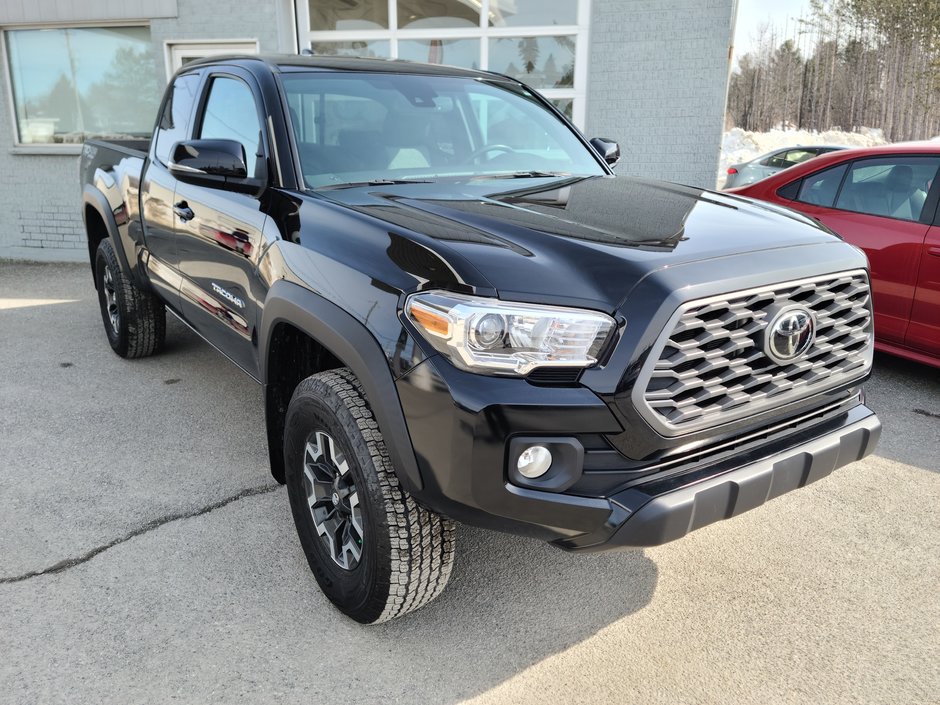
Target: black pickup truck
x,y
457,312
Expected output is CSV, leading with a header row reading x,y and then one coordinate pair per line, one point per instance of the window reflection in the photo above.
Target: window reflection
x,y
424,126
327,15
464,53
76,83
434,14
375,49
532,13
566,106
541,62
458,33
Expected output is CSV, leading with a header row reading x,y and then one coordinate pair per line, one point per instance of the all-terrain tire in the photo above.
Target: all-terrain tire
x,y
134,319
406,551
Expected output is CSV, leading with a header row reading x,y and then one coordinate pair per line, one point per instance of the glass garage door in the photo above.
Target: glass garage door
x,y
541,42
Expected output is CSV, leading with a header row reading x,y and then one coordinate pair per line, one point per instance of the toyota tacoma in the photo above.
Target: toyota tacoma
x,y
457,312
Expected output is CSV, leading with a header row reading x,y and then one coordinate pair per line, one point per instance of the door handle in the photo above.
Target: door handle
x,y
933,250
183,210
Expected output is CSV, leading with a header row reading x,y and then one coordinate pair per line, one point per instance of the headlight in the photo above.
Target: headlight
x,y
498,337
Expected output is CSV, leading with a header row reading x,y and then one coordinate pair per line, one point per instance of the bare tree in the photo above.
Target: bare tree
x,y
848,64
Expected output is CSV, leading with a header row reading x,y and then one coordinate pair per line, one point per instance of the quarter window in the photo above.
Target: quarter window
x,y
894,187
820,189
72,84
231,114
175,119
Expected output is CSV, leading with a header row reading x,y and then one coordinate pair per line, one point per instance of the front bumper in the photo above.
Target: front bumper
x,y
462,427
656,513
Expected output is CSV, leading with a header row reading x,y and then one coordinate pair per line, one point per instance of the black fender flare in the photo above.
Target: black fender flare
x,y
352,343
93,197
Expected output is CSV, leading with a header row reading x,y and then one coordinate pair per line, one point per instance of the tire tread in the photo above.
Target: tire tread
x,y
421,541
143,314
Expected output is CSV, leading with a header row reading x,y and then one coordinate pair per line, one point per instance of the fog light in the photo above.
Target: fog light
x,y
534,461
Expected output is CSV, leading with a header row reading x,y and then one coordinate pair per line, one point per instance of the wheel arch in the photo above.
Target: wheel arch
x,y
338,340
99,224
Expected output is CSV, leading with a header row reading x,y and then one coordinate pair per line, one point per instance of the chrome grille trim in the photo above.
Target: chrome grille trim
x,y
708,367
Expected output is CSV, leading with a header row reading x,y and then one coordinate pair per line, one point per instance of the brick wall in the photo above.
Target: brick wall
x,y
40,196
657,84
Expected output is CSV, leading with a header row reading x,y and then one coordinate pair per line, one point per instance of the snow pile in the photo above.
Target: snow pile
x,y
738,145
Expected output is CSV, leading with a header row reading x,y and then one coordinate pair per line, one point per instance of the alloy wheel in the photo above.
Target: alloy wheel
x,y
111,298
333,500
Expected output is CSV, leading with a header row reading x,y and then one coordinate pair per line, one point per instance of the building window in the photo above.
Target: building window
x,y
181,52
543,43
71,84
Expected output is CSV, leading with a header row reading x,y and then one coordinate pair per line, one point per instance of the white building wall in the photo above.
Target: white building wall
x,y
657,83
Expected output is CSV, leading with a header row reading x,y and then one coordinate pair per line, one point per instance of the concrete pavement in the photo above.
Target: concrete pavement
x,y
169,569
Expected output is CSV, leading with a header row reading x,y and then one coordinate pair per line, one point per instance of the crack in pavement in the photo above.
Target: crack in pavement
x,y
928,414
69,563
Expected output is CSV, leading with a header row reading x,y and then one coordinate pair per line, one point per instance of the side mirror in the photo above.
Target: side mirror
x,y
210,162
608,149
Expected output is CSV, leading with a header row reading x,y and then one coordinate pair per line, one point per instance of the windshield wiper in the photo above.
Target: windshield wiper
x,y
524,175
373,182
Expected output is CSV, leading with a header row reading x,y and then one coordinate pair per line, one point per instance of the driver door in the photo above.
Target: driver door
x,y
219,230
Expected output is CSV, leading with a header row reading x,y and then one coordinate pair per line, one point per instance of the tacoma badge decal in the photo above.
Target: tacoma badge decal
x,y
227,296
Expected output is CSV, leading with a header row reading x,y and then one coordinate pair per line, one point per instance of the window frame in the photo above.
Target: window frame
x,y
245,77
203,48
928,214
19,147
580,32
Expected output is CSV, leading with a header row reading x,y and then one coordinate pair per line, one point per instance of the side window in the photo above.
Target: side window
x,y
784,160
231,114
893,187
174,122
798,156
820,189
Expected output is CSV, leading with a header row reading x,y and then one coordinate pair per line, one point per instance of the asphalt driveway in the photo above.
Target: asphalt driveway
x,y
146,555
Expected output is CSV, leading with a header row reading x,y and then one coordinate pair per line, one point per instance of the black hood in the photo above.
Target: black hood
x,y
578,240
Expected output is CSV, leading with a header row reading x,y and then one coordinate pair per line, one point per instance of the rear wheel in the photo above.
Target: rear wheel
x,y
375,553
134,319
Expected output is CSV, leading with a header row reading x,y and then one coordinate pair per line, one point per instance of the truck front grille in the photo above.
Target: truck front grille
x,y
711,367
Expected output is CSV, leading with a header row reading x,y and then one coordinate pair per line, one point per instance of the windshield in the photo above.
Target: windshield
x,y
377,127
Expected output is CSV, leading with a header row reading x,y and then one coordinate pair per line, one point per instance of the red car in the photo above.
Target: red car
x,y
883,200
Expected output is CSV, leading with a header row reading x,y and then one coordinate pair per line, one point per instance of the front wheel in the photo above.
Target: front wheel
x,y
374,551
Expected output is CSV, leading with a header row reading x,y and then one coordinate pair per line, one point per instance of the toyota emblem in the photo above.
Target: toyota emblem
x,y
790,334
